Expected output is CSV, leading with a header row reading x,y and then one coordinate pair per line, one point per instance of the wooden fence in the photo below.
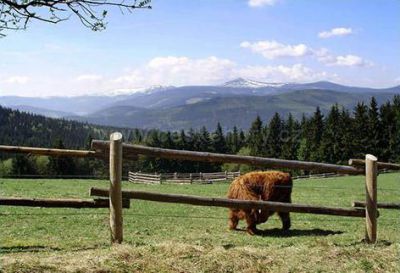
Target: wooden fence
x,y
132,151
145,178
115,151
232,203
181,178
208,178
370,171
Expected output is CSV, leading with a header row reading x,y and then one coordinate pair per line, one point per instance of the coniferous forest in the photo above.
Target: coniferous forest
x,y
331,137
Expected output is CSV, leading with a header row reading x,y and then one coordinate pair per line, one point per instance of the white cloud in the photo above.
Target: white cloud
x,y
324,56
261,3
340,31
273,49
350,60
178,71
89,77
281,73
17,80
172,70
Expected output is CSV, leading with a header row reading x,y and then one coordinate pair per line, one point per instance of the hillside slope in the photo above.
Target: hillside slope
x,y
238,110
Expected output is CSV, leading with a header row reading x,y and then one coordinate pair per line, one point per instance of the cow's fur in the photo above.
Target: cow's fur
x,y
267,186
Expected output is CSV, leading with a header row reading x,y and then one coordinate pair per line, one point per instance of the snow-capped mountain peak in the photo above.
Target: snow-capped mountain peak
x,y
245,83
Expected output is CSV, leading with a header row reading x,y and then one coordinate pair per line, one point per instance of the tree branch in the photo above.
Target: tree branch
x,y
16,15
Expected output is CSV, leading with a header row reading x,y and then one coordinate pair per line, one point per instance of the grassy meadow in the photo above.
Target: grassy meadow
x,y
161,237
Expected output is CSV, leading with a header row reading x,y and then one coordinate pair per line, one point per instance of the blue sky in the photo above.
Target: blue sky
x,y
181,42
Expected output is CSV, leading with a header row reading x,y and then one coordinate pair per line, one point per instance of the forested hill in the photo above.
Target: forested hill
x,y
20,128
333,137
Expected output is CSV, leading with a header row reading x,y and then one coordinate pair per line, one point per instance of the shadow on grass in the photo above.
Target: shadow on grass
x,y
363,242
40,248
19,249
276,232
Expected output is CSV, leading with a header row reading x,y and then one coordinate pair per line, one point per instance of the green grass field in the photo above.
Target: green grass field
x,y
161,237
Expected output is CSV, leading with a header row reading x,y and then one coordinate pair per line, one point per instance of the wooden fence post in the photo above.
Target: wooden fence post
x,y
115,187
191,178
371,172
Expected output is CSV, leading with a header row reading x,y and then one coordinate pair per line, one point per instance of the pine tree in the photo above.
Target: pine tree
x,y
346,146
137,136
61,165
192,140
314,135
236,145
360,130
168,142
290,138
131,137
205,143
304,151
182,144
273,139
395,157
242,139
388,131
255,137
166,165
152,164
22,165
330,142
374,129
218,140
182,141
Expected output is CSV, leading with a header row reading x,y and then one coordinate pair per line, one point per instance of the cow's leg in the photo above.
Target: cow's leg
x,y
251,223
233,219
285,218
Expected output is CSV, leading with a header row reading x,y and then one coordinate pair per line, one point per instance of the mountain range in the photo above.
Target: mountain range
x,y
236,102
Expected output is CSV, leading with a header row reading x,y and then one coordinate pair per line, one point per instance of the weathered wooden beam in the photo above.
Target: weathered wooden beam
x,y
100,145
58,203
103,154
116,220
360,204
106,154
232,203
49,151
371,209
360,163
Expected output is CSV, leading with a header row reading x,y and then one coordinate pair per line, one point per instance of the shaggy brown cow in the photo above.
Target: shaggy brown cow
x,y
267,186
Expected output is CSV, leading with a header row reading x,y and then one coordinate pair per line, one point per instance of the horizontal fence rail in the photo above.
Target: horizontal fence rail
x,y
130,149
61,152
381,165
49,151
232,203
59,203
360,204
